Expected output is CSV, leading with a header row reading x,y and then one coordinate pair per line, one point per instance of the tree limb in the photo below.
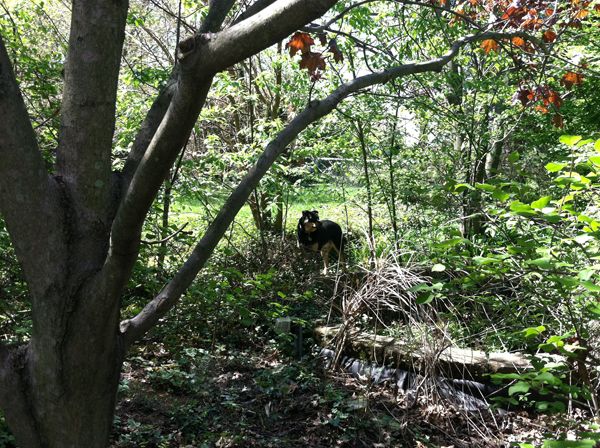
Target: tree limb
x,y
212,53
89,102
29,198
206,54
134,328
216,15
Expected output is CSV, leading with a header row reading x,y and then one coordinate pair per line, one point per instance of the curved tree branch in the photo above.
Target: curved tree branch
x,y
203,57
134,328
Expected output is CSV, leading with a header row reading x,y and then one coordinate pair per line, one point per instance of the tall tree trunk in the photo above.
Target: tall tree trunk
x,y
364,154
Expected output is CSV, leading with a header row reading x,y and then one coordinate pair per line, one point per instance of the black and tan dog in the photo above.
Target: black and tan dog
x,y
320,236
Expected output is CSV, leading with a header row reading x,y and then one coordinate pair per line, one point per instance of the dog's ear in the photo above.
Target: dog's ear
x,y
305,212
316,213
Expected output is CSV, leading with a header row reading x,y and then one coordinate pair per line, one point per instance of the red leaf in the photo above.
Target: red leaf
x,y
300,42
552,97
489,45
335,50
518,41
524,96
532,23
322,38
571,78
549,36
312,62
557,120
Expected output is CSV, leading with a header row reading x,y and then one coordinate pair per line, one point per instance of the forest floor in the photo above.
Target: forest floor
x,y
261,398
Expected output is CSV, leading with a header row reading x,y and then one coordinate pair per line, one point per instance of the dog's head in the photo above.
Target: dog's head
x,y
309,221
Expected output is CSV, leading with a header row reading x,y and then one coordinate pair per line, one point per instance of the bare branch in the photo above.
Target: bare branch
x,y
254,8
134,328
167,238
160,43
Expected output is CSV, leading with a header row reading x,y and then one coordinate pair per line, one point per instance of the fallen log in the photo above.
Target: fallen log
x,y
453,362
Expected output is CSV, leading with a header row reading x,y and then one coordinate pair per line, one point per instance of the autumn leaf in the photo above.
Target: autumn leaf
x,y
524,96
322,38
571,78
312,62
541,109
335,50
489,45
552,97
557,121
518,41
549,36
300,42
532,23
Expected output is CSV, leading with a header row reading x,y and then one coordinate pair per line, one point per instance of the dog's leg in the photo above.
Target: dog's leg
x,y
325,254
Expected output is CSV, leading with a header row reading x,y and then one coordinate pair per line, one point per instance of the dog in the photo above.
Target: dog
x,y
323,236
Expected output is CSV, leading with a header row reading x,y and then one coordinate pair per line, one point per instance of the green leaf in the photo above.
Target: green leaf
x,y
488,187
522,209
485,260
584,443
451,243
595,160
425,299
542,263
520,387
569,140
594,309
459,188
597,145
533,331
513,157
553,167
500,195
438,268
541,202
590,286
